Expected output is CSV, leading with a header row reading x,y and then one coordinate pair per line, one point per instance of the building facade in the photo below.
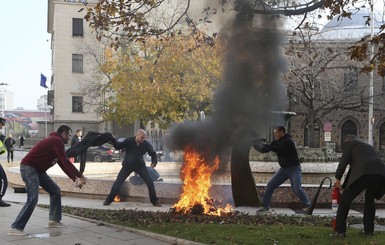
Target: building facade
x,y
342,33
75,51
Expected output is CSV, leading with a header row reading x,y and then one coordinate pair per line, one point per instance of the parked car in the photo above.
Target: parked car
x,y
102,153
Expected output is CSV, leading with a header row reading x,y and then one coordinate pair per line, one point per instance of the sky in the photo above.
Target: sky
x,y
24,50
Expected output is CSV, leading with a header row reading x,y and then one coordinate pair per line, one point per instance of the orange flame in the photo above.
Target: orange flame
x,y
196,177
117,199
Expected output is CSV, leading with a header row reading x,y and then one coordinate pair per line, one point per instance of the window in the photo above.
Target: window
x,y
77,104
382,137
383,84
316,135
349,127
77,63
351,79
77,27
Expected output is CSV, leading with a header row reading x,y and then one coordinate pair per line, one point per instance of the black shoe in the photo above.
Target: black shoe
x,y
364,233
157,204
106,203
4,204
339,234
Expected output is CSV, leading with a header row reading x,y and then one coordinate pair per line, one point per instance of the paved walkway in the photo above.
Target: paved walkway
x,y
78,231
87,232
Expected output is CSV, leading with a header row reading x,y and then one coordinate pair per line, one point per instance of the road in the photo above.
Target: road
x,y
17,156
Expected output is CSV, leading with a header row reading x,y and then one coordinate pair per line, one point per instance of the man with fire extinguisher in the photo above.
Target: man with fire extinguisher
x,y
366,172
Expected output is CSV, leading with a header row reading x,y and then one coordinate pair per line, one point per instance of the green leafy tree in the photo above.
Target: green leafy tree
x,y
168,80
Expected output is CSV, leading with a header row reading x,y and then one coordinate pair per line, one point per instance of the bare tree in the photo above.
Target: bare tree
x,y
322,79
122,21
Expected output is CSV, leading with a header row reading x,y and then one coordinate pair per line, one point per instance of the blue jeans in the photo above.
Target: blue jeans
x,y
283,174
32,180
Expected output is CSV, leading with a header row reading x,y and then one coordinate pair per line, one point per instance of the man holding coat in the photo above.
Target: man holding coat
x,y
366,172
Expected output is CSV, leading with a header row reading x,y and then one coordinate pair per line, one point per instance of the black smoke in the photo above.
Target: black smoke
x,y
252,87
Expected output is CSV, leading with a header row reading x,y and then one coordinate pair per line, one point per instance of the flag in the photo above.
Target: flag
x,y
43,80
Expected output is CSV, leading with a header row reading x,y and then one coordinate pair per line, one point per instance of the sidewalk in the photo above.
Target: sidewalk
x,y
78,231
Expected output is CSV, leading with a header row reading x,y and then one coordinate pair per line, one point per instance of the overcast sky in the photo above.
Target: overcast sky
x,y
24,50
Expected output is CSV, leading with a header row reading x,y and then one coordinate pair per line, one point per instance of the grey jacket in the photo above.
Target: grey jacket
x,y
363,160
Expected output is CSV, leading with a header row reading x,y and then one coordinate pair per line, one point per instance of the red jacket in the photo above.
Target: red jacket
x,y
42,156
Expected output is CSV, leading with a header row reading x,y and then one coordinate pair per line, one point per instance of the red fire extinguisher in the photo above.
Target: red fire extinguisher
x,y
336,197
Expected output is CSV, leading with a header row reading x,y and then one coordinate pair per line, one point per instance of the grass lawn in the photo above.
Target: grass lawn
x,y
238,228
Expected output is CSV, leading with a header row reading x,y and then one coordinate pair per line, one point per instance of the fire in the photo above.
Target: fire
x,y
196,176
117,199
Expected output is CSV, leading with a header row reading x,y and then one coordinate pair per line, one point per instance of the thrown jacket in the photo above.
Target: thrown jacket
x,y
285,149
47,153
91,139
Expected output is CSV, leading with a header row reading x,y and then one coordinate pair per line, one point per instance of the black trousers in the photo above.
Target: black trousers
x,y
372,185
126,170
3,181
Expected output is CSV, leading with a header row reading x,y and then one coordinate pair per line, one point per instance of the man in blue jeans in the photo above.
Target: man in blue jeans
x,y
33,167
288,160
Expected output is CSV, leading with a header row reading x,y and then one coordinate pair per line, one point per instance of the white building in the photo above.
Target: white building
x,y
6,99
70,65
74,48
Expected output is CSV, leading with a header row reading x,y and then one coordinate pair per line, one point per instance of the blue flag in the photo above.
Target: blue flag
x,y
43,80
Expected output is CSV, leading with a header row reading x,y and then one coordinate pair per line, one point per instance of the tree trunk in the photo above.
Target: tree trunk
x,y
311,129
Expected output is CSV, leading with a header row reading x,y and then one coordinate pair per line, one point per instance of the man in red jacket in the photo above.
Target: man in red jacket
x,y
33,167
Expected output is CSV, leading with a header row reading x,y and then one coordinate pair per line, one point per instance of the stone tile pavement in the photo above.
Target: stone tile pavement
x,y
78,231
87,232
83,232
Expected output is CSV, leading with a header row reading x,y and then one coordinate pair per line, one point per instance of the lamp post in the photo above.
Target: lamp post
x,y
370,114
46,107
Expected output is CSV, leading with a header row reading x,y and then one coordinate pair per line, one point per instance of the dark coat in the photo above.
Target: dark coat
x,y
363,160
285,149
91,139
8,143
134,153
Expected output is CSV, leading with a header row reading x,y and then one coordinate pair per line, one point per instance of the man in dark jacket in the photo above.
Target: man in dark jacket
x,y
288,160
3,176
366,172
135,148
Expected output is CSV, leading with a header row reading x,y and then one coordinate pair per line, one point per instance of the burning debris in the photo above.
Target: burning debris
x,y
117,199
196,176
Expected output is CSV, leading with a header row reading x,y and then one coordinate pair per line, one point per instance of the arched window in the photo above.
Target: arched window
x,y
382,137
160,140
317,135
349,127
156,140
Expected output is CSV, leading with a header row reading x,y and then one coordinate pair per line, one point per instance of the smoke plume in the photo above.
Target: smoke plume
x,y
251,89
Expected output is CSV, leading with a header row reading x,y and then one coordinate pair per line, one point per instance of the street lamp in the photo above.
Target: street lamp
x,y
46,107
370,114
